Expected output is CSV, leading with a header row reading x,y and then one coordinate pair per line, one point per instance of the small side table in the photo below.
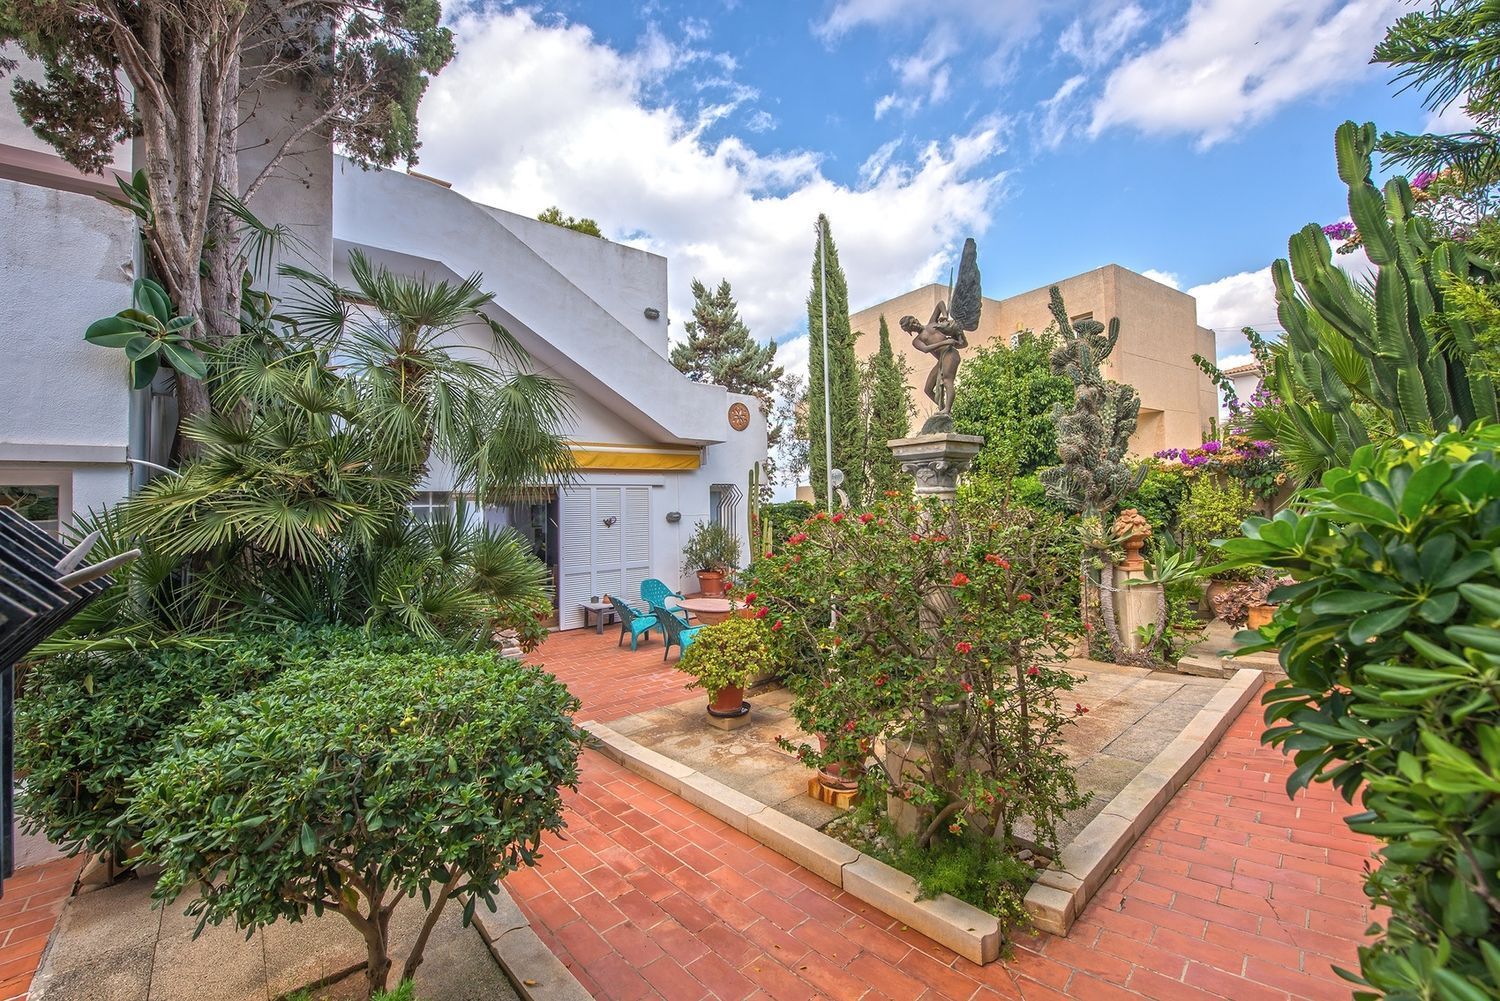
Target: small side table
x,y
602,610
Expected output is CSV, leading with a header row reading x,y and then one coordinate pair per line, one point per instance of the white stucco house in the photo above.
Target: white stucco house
x,y
656,452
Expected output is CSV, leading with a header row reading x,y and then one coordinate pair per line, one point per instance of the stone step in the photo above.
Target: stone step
x,y
1205,666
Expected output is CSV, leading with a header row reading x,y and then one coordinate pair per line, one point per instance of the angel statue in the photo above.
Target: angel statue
x,y
945,335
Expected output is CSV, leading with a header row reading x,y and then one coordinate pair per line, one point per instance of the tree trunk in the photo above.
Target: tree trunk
x,y
414,959
377,955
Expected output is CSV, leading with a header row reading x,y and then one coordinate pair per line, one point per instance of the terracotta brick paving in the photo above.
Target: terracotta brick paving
x,y
33,899
1234,892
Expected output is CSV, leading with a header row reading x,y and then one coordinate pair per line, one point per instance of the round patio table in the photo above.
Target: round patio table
x,y
709,610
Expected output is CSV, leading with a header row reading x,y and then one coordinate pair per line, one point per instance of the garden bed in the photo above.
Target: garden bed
x,y
1144,734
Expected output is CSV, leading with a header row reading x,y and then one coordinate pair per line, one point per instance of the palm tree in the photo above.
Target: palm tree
x,y
402,340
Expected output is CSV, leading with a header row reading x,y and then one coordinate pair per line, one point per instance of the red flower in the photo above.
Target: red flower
x,y
866,518
760,612
749,597
1033,671
968,687
998,560
776,627
915,537
838,517
798,538
963,646
1047,615
960,579
1023,596
769,554
1080,708
881,679
821,516
849,726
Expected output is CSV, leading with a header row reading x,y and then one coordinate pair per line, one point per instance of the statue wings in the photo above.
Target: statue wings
x,y
966,301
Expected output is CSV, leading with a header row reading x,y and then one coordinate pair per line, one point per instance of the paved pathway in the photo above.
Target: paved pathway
x,y
34,898
1234,892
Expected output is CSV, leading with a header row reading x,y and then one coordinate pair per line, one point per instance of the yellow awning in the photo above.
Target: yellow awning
x,y
606,456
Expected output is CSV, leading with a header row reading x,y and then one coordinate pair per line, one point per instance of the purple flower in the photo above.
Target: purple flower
x,y
1211,447
1423,179
1339,230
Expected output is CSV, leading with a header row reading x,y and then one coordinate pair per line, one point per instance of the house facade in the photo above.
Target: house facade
x,y
1159,334
656,453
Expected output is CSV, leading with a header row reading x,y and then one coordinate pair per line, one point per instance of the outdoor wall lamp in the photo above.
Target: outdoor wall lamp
x,y
652,313
673,517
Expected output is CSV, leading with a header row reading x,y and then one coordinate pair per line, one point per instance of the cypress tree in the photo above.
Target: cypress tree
x,y
720,350
886,415
843,375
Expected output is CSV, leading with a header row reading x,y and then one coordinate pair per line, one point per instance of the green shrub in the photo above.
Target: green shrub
x,y
1160,497
1391,644
1215,508
727,654
711,547
355,783
786,517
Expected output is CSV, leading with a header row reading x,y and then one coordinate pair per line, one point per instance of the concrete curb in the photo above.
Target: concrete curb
x,y
1060,893
967,930
531,967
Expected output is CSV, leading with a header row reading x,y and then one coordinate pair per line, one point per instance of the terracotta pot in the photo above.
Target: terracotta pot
x,y
1259,615
841,777
729,701
711,583
1215,589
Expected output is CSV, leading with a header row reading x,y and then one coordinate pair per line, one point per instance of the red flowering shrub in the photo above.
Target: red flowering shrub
x,y
896,635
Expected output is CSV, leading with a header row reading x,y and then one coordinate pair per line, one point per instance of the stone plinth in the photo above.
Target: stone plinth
x,y
1136,605
936,461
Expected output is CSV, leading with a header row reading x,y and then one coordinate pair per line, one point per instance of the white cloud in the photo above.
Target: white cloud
x,y
761,121
1454,118
1166,278
1097,39
1060,114
791,355
1247,299
1231,63
510,130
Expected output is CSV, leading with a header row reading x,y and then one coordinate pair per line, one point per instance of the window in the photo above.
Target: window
x,y
38,503
435,505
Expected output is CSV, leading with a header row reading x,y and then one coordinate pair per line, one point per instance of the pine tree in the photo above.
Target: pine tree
x,y
720,350
843,376
886,412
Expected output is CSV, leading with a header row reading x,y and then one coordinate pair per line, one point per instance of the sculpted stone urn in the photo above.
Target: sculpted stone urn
x,y
1132,529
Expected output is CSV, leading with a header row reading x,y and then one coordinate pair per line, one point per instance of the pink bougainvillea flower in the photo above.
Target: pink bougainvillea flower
x,y
960,579
963,646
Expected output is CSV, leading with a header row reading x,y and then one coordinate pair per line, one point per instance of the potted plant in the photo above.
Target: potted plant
x,y
712,551
1247,604
722,659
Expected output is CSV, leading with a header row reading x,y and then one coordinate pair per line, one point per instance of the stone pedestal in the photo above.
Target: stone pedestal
x,y
936,461
1136,605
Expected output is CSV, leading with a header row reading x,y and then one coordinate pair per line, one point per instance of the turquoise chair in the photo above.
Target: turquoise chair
x,y
633,622
674,630
655,593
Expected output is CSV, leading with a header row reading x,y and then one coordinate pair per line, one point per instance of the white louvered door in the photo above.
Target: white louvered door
x,y
606,546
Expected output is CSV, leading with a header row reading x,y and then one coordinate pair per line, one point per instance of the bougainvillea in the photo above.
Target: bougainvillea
x,y
1252,461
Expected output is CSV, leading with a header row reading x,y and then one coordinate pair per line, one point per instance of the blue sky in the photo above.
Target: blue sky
x,y
1188,140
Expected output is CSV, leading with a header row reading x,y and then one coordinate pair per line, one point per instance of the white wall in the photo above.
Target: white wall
x,y
624,280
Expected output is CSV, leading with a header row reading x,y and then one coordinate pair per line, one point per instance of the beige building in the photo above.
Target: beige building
x,y
1159,334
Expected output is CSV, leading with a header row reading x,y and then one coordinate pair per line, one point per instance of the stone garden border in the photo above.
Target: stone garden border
x,y
1054,901
532,968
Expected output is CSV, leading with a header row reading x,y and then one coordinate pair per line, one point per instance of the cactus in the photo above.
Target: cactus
x,y
1091,441
1419,372
1091,437
759,526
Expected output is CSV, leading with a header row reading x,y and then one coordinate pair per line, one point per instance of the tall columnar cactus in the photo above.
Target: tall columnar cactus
x,y
1093,435
1419,375
759,526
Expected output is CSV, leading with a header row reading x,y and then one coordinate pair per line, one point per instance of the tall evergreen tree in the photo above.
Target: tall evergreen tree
x,y
843,375
885,413
720,350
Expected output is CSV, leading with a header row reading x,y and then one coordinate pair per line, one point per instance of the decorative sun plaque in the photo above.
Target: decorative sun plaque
x,y
739,416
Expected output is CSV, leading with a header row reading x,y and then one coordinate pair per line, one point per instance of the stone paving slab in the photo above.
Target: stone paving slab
x,y
112,945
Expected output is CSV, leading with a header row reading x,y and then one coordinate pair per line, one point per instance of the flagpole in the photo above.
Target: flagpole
x,y
827,405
